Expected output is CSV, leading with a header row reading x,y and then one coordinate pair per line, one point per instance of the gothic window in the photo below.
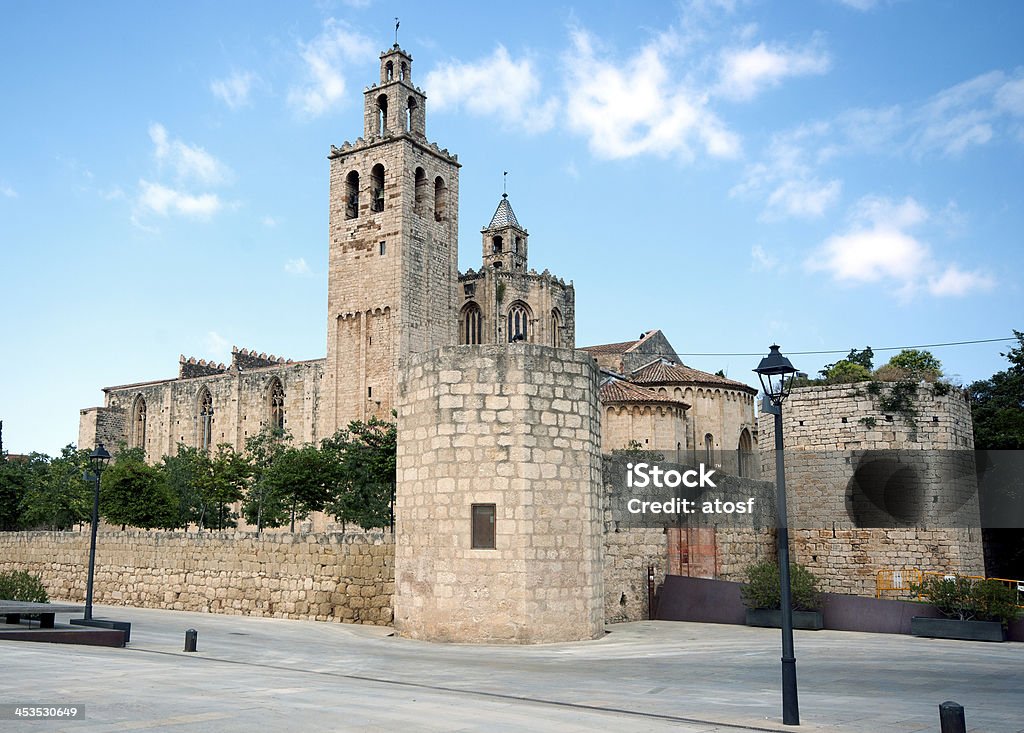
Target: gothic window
x,y
389,71
496,245
440,199
410,113
518,322
556,328
275,397
139,423
377,188
205,419
420,204
709,443
744,453
352,195
471,327
382,114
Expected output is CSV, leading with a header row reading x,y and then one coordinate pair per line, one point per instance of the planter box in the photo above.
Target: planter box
x,y
951,628
772,618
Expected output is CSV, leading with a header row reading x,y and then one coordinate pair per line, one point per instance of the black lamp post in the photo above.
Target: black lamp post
x,y
776,373
97,461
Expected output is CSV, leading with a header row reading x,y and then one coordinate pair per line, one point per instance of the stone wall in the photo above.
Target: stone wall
x,y
516,426
326,577
628,553
830,432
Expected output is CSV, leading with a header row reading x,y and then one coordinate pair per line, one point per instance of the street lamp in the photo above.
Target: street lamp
x,y
97,461
776,374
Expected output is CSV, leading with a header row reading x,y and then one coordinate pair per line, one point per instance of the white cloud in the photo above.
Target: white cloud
x,y
324,58
640,106
235,90
297,267
7,191
269,222
878,248
747,72
1010,97
762,261
190,162
805,198
162,200
862,5
956,282
497,87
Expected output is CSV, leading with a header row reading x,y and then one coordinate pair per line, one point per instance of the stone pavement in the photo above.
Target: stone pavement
x,y
275,674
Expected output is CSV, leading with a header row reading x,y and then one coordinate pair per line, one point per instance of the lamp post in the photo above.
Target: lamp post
x,y
776,374
97,461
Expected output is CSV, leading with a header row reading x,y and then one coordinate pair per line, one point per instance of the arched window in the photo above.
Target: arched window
x,y
352,195
139,423
205,419
377,188
745,454
410,113
440,196
404,73
515,248
382,114
389,71
518,322
275,399
556,328
496,245
471,326
709,444
420,205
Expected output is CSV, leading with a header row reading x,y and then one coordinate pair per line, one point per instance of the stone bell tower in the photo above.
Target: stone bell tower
x,y
393,237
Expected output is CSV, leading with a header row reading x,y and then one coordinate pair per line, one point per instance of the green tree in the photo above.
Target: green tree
x,y
365,463
911,364
14,480
56,495
133,493
261,506
845,372
295,484
230,473
185,474
997,404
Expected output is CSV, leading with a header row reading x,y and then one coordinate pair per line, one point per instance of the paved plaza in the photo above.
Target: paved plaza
x,y
274,674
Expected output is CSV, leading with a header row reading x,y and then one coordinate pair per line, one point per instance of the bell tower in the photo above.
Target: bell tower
x,y
504,240
393,249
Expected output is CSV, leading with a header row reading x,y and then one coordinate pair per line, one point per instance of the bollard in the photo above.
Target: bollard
x,y
190,640
951,718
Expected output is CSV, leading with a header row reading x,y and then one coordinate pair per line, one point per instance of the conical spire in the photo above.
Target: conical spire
x,y
503,215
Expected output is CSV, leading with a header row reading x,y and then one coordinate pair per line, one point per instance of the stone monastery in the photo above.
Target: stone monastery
x,y
503,530
394,290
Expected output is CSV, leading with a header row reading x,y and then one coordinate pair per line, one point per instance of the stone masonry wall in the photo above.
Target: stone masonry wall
x,y
336,577
516,426
827,430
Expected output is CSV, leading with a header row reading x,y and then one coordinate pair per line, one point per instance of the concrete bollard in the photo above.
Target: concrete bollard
x,y
191,636
951,718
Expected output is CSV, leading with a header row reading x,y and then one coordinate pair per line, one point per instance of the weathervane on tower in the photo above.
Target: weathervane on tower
x,y
397,23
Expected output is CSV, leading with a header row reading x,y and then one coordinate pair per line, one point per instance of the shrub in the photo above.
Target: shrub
x,y
762,587
968,599
18,585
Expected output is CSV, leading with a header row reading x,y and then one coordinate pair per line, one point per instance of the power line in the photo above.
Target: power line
x,y
839,351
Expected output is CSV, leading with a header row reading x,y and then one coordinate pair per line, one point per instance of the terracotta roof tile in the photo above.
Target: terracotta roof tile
x,y
619,390
665,372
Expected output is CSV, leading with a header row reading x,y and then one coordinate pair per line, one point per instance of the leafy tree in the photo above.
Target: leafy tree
x,y
230,473
365,463
997,404
262,507
133,493
295,484
205,486
185,474
845,372
911,364
14,480
56,494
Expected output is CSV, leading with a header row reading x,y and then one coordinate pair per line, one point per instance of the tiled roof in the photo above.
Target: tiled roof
x,y
665,372
503,215
619,348
619,390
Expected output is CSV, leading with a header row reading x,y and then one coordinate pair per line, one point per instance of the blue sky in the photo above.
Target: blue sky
x,y
824,174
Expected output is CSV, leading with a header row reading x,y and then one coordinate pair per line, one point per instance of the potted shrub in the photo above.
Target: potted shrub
x,y
974,610
761,596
